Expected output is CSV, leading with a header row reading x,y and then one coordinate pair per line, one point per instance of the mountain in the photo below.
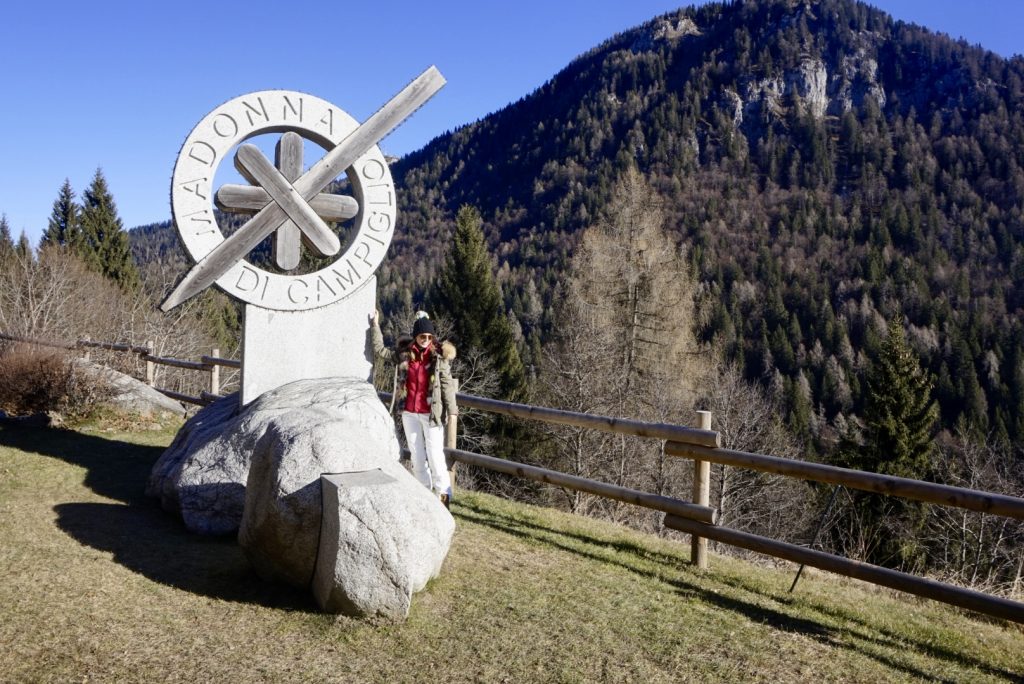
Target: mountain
x,y
828,168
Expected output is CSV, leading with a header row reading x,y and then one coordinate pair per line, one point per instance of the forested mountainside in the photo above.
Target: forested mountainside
x,y
828,168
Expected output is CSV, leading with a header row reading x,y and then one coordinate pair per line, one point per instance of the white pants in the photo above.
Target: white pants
x,y
426,443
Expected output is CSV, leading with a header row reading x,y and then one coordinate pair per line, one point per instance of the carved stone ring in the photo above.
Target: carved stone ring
x,y
286,200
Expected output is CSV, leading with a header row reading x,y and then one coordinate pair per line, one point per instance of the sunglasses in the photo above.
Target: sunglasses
x,y
424,336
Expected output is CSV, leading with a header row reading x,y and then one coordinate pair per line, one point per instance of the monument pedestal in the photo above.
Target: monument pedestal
x,y
279,347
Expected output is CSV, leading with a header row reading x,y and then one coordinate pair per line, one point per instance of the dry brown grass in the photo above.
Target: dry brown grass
x,y
98,584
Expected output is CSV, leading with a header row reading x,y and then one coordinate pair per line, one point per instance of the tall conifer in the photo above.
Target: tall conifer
x,y
104,245
6,240
900,413
24,248
899,422
63,228
469,294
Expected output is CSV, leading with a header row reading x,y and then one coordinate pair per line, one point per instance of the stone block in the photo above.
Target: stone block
x,y
280,347
382,538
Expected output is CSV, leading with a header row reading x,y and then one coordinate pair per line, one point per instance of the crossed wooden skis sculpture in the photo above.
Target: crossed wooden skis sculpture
x,y
292,203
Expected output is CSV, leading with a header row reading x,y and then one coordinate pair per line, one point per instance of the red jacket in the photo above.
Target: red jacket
x,y
417,380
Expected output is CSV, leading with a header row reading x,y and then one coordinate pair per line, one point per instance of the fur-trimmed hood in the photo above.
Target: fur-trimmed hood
x,y
446,350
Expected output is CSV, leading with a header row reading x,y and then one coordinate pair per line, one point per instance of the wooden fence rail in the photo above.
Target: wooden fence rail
x,y
918,490
665,504
42,343
209,364
693,446
217,361
620,426
698,446
115,347
179,363
912,584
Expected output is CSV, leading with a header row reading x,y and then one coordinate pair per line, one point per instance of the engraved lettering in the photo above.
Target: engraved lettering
x,y
375,239
321,285
365,252
225,126
344,278
194,186
292,293
374,169
260,111
202,212
297,111
383,220
248,280
328,120
204,216
202,152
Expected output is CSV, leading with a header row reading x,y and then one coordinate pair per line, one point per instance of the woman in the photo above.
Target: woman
x,y
426,392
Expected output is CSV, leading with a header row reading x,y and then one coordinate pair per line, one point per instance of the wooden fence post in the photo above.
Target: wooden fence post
x,y
215,374
701,496
451,430
150,366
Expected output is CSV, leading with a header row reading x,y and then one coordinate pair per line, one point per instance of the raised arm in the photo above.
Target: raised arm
x,y
379,350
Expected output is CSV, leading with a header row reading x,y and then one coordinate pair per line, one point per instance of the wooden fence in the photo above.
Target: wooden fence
x,y
701,445
210,364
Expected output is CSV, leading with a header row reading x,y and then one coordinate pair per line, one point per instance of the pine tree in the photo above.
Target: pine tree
x,y
899,419
104,243
6,240
63,228
899,412
469,295
638,283
24,248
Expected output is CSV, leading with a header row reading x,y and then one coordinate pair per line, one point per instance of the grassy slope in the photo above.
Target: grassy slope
x,y
98,584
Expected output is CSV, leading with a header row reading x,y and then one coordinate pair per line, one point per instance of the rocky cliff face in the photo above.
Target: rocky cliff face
x,y
809,86
667,29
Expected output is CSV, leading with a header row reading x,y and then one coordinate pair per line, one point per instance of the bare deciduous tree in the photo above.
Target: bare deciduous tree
x,y
750,420
53,296
625,346
975,549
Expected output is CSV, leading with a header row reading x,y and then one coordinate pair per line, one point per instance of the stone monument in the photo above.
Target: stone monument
x,y
296,326
306,408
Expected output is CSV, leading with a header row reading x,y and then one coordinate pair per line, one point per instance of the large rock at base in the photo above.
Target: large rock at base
x,y
258,470
381,540
201,475
336,425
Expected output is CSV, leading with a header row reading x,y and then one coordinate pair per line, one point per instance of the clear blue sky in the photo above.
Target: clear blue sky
x,y
119,85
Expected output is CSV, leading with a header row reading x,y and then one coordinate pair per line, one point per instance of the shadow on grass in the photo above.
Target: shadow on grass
x,y
777,618
139,534
146,540
885,637
114,469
